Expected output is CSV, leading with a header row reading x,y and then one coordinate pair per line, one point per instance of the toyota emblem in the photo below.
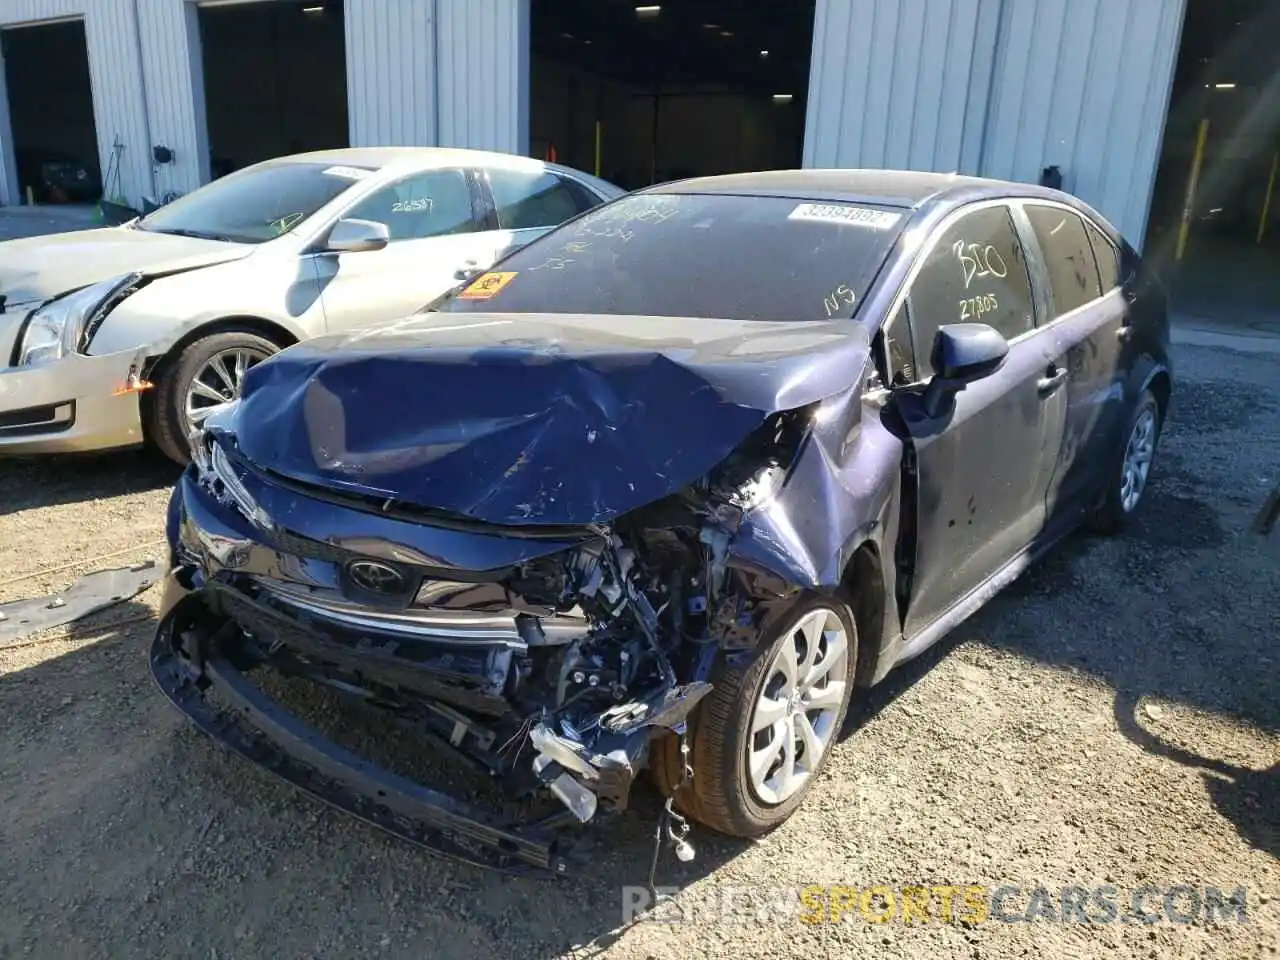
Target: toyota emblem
x,y
376,577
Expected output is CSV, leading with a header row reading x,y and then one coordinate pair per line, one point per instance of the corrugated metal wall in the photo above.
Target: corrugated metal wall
x,y
170,41
391,71
450,72
1085,84
1001,88
439,72
996,87
137,106
892,81
484,73
472,53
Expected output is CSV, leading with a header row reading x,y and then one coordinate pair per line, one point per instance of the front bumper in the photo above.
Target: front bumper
x,y
186,665
73,405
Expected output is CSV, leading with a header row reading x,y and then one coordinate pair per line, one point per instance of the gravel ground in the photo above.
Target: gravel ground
x,y
1111,719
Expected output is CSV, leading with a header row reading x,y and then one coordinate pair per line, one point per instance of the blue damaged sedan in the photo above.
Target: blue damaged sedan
x,y
665,489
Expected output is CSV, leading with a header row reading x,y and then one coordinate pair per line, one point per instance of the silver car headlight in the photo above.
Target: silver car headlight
x,y
54,330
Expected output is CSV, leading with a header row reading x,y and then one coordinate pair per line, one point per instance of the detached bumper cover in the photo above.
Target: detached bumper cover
x,y
259,730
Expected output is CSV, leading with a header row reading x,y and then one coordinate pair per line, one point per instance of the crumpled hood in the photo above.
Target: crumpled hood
x,y
37,268
533,419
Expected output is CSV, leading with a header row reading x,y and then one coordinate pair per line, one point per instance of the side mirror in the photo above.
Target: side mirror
x,y
357,236
962,354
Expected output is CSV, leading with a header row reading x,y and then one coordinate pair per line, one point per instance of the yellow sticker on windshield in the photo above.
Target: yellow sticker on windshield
x,y
486,286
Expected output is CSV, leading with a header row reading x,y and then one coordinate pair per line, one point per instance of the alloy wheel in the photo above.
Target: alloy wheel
x,y
794,720
217,383
1138,455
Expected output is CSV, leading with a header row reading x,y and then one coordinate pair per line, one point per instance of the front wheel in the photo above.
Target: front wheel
x,y
201,379
763,734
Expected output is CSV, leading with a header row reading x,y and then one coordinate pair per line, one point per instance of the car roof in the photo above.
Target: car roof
x,y
380,158
391,162
908,189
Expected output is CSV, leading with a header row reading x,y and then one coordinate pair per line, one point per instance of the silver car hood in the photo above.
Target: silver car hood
x,y
37,268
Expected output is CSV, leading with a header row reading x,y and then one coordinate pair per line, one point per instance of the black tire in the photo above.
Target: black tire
x,y
165,415
719,794
1112,516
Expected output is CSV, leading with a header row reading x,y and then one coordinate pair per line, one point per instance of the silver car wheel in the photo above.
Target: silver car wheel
x,y
794,721
217,383
1138,455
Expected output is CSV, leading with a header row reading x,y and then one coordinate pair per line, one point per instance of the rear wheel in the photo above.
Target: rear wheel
x,y
764,733
201,379
1128,479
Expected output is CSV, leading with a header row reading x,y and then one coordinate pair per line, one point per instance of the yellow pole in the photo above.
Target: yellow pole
x,y
1192,183
598,127
1266,204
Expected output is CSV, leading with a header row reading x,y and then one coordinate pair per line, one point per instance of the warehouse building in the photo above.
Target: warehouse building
x,y
155,97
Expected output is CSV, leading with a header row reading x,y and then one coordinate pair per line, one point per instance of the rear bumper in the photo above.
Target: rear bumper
x,y
73,405
259,730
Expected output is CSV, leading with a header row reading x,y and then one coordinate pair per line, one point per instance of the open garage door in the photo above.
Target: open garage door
x,y
646,93
275,79
55,144
1215,214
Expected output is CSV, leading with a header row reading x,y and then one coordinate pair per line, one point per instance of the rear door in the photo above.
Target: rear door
x,y
438,234
1087,321
982,469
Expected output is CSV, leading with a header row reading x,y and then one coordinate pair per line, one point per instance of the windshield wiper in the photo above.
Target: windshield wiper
x,y
195,234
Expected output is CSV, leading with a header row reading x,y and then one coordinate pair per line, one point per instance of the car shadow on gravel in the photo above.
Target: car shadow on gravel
x,y
1248,798
31,483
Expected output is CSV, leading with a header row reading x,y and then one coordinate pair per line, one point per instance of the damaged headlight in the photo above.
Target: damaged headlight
x,y
201,436
218,474
756,470
66,324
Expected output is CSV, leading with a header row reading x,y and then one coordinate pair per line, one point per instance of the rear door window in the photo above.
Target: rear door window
x,y
1068,255
976,273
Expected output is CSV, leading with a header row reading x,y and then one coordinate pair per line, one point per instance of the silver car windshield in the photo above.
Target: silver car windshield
x,y
256,204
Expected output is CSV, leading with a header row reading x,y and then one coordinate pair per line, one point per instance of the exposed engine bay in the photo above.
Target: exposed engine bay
x,y
554,673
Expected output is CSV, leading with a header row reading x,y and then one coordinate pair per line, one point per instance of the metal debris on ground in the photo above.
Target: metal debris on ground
x,y
91,593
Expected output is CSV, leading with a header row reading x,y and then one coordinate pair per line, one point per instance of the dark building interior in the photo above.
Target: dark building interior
x,y
275,80
51,112
1226,84
655,92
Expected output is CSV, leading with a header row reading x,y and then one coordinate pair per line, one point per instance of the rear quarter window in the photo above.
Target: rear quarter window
x,y
528,200
1107,256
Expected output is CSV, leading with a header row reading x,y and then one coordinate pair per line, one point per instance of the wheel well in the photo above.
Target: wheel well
x,y
863,582
263,328
156,364
1161,387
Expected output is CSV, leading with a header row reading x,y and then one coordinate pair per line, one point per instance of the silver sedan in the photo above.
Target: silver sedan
x,y
114,336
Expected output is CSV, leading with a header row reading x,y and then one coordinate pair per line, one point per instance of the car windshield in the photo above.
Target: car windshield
x,y
696,255
256,204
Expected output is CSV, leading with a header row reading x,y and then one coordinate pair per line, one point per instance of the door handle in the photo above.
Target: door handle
x,y
468,269
1124,334
1053,380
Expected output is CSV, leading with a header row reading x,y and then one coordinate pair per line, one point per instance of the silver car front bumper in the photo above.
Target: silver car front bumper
x,y
72,405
